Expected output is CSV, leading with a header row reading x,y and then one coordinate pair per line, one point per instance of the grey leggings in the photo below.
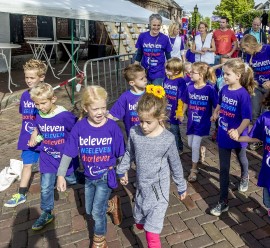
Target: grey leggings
x,y
194,141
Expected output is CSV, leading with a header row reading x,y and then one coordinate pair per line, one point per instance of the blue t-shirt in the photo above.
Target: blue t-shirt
x,y
125,109
235,106
174,89
154,49
200,106
190,56
261,131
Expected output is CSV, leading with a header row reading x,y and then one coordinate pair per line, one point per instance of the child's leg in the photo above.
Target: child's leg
x,y
26,175
153,240
175,130
47,182
266,199
224,161
242,158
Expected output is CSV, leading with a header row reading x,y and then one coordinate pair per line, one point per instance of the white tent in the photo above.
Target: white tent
x,y
96,10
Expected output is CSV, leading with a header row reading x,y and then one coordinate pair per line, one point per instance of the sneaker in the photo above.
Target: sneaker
x,y
15,200
243,186
42,221
219,209
255,146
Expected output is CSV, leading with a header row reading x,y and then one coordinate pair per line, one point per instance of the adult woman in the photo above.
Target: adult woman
x,y
152,49
258,57
204,45
177,43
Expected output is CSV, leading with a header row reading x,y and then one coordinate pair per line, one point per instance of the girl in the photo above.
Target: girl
x,y
199,99
100,142
204,45
175,86
176,42
153,165
260,132
233,112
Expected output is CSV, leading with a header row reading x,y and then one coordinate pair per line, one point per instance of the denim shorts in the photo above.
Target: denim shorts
x,y
29,157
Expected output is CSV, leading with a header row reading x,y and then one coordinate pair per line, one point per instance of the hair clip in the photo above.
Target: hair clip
x,y
156,90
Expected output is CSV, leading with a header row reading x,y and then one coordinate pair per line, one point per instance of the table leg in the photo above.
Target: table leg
x,y
48,59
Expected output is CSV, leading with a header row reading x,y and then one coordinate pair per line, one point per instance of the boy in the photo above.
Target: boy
x,y
53,124
175,86
125,107
34,71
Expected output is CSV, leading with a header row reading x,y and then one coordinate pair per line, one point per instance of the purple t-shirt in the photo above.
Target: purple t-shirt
x,y
235,105
125,109
99,147
174,89
55,132
154,49
261,131
261,64
28,111
200,105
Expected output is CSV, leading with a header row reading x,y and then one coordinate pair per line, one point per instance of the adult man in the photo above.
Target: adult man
x,y
225,41
264,19
256,31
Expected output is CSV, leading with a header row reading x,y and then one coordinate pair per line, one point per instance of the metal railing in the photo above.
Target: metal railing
x,y
107,72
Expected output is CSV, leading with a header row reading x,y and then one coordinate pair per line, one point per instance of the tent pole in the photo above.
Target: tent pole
x,y
117,65
72,62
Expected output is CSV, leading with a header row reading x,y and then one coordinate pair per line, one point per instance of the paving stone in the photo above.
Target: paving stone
x,y
265,242
213,232
191,214
194,227
257,220
202,241
244,227
177,223
237,215
250,240
179,237
232,237
222,244
78,223
261,233
127,238
206,218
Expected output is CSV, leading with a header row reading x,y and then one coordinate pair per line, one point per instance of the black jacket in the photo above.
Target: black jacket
x,y
263,38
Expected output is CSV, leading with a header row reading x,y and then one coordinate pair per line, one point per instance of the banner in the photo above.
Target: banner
x,y
215,18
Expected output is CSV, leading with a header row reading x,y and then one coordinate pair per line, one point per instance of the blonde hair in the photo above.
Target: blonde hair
x,y
250,41
91,94
246,74
153,105
42,91
171,28
174,65
203,23
38,65
130,71
206,71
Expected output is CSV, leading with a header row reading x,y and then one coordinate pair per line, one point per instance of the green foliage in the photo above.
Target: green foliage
x,y
246,18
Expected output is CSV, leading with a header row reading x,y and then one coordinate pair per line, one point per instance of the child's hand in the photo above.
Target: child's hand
x,y
183,196
32,142
214,117
181,118
124,179
233,133
61,184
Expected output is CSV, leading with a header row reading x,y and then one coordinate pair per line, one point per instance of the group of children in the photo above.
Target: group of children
x,y
152,115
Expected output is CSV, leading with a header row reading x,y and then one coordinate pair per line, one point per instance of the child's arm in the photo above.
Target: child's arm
x,y
235,133
62,171
177,170
112,117
215,114
242,138
34,138
181,118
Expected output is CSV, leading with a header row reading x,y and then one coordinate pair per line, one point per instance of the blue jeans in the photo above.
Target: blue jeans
x,y
266,197
175,130
97,193
224,173
157,81
47,183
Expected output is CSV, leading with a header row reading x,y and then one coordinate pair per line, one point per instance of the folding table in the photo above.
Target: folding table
x,y
75,42
39,50
34,47
8,46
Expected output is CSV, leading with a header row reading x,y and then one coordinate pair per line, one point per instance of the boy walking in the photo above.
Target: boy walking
x,y
34,72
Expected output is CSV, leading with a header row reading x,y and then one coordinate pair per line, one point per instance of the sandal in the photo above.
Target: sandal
x,y
203,150
193,175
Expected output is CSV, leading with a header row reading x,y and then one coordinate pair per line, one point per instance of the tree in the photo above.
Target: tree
x,y
233,9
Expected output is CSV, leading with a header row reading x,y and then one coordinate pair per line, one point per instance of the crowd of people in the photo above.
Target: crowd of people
x,y
165,89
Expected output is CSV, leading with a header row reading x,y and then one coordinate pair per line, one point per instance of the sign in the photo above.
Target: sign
x,y
215,18
185,23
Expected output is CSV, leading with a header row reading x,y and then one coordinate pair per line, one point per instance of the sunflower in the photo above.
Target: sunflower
x,y
159,91
150,88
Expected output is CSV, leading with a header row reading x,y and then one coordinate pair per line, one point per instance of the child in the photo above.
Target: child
x,y
260,132
233,112
34,72
100,142
53,124
174,86
187,70
199,99
190,56
125,107
153,165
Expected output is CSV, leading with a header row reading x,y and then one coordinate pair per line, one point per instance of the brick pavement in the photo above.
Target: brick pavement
x,y
187,224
